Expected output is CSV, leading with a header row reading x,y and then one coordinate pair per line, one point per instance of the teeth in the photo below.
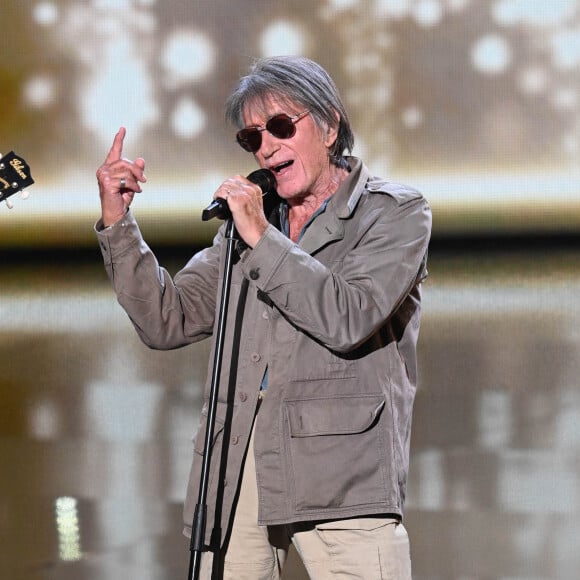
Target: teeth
x,y
279,168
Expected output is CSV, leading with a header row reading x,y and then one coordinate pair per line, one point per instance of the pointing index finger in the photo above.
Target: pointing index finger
x,y
117,148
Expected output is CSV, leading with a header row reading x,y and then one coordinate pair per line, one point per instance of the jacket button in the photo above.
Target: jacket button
x,y
255,357
235,440
243,397
265,315
254,274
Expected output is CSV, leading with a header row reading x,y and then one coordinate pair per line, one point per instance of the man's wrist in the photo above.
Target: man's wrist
x,y
108,221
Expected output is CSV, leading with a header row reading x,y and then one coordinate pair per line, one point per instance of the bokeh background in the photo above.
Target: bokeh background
x,y
475,102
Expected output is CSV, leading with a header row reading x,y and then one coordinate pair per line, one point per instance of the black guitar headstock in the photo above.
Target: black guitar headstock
x,y
14,175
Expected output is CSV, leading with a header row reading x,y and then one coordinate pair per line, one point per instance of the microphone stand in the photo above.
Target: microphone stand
x,y
199,519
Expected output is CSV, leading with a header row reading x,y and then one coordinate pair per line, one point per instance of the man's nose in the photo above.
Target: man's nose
x,y
270,144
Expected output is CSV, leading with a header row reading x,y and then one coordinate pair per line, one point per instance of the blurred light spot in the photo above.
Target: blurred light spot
x,y
428,13
44,420
40,92
188,56
495,419
187,119
393,8
430,473
491,54
565,99
566,49
112,4
67,525
533,80
146,2
507,12
45,13
533,12
412,117
339,5
282,38
120,92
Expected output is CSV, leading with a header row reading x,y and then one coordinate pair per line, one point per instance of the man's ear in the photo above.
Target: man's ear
x,y
331,133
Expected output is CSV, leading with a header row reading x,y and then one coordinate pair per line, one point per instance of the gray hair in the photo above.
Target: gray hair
x,y
298,80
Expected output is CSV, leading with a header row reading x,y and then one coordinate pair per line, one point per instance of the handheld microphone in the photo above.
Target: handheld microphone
x,y
264,178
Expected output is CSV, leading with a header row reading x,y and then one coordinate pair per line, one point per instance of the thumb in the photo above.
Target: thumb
x,y
140,163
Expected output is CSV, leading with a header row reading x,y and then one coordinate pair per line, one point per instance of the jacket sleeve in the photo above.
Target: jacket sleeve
x,y
341,306
164,315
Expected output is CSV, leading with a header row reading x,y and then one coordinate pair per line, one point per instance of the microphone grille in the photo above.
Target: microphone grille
x,y
263,178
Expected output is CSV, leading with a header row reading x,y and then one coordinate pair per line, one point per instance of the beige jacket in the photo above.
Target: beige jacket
x,y
334,319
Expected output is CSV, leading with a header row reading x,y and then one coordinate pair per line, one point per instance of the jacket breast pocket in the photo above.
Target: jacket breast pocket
x,y
337,451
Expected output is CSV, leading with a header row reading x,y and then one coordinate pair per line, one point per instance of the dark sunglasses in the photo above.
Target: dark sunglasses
x,y
281,126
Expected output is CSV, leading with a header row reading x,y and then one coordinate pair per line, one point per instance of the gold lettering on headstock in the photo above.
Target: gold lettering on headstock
x,y
18,167
5,183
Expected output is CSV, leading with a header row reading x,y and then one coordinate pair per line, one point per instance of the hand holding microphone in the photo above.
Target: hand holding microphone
x,y
239,199
218,208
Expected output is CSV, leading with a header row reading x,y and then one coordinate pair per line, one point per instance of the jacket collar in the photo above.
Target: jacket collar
x,y
330,224
351,189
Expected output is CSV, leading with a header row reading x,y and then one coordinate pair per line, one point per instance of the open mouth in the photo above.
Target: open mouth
x,y
282,166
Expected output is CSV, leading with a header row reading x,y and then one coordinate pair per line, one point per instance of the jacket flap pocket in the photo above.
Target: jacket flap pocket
x,y
333,416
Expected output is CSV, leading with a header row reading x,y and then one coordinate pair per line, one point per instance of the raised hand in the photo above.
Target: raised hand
x,y
119,179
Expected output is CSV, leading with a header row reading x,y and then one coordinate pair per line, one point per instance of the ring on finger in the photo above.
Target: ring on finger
x,y
123,183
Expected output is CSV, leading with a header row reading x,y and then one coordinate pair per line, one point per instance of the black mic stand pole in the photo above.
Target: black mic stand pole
x,y
199,518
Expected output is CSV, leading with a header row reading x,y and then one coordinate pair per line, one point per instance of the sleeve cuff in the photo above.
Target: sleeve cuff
x,y
261,263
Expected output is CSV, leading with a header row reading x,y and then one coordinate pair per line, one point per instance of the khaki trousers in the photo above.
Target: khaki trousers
x,y
374,548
